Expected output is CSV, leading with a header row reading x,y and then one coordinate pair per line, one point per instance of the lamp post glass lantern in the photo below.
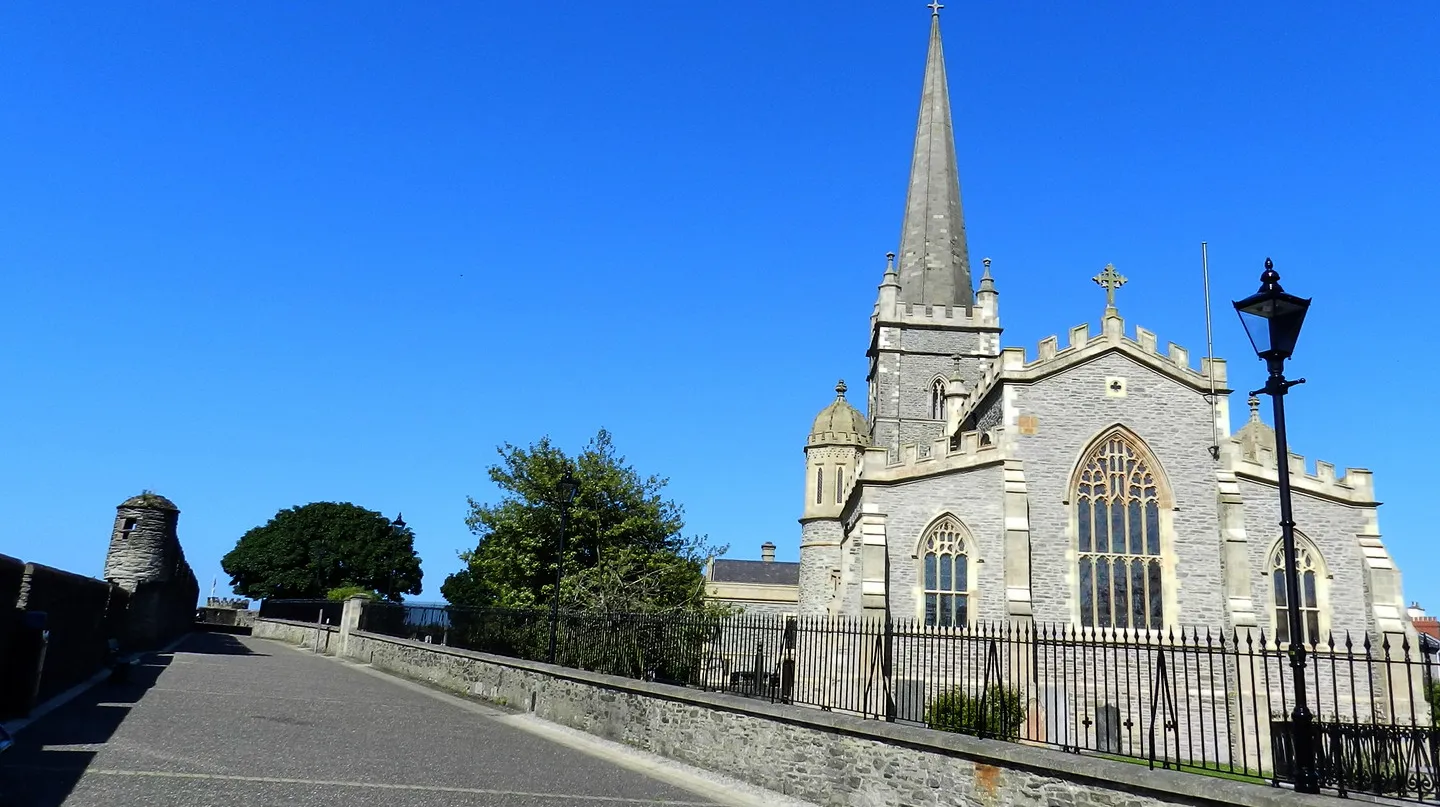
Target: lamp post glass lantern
x,y
1272,318
567,488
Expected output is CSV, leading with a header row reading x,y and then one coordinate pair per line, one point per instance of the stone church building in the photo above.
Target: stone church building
x,y
1091,481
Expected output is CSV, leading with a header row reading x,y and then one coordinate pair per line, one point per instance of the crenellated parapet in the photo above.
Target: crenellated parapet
x,y
1354,486
948,316
1015,364
969,450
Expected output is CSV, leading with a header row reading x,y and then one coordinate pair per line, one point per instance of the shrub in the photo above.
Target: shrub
x,y
346,592
999,713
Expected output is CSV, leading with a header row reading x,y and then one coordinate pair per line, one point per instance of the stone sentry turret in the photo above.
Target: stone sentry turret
x,y
145,559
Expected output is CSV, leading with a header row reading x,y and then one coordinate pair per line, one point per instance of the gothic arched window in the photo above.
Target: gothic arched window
x,y
937,399
819,485
1309,568
1117,498
945,567
839,485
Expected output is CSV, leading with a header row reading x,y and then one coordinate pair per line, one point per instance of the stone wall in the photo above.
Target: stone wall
x,y
298,633
82,614
905,364
977,498
1070,411
826,758
1334,528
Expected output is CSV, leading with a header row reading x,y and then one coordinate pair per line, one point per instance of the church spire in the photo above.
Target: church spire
x,y
934,259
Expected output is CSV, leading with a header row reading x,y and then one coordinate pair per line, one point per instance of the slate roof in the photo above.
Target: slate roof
x,y
775,573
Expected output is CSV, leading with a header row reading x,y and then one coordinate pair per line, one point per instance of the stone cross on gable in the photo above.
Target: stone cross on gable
x,y
1110,280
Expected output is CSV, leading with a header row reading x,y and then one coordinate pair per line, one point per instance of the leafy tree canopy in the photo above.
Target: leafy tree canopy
x,y
306,551
624,548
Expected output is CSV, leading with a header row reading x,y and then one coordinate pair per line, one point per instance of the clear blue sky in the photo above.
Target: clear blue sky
x,y
259,254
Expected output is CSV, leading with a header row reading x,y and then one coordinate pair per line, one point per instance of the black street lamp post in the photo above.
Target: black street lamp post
x,y
1272,319
568,487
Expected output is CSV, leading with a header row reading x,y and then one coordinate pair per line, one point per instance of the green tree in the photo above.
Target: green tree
x,y
624,548
306,551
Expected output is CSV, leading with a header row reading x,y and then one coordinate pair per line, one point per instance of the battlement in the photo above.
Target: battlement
x,y
1355,485
1145,346
973,316
939,454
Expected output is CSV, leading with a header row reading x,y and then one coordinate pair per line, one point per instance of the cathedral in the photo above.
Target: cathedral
x,y
1090,481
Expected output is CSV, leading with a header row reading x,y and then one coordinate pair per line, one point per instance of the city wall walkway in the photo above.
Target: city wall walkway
x,y
235,721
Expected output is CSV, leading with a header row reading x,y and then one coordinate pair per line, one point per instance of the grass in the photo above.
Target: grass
x,y
1251,777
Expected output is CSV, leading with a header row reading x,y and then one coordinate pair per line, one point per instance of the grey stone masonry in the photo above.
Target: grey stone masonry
x,y
144,547
820,564
145,559
1070,411
1335,529
976,498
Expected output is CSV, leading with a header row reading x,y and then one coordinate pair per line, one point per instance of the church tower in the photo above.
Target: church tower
x,y
927,311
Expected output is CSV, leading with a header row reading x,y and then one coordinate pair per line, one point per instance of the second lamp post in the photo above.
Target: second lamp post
x,y
567,489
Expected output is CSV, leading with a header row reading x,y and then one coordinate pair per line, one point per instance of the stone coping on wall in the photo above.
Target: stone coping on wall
x,y
311,625
1135,780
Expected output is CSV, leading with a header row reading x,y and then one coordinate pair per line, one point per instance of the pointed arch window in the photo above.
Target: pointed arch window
x,y
1309,567
819,485
937,399
1118,525
944,553
839,485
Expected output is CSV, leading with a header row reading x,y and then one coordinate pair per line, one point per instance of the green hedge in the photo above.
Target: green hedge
x,y
997,712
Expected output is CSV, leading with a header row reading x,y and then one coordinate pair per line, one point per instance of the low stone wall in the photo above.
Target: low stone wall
x,y
822,757
82,614
298,633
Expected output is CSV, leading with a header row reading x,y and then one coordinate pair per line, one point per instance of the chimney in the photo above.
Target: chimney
x,y
767,552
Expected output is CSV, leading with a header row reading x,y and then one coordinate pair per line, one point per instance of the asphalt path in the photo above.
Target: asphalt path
x,y
240,722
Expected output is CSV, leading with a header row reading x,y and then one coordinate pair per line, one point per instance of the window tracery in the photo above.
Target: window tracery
x,y
1308,568
937,399
944,554
1117,499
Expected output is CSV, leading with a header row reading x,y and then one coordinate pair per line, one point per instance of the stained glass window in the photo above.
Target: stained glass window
x,y
1118,526
1307,569
945,568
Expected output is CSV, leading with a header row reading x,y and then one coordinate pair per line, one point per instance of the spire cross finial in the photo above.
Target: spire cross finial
x,y
1110,280
935,6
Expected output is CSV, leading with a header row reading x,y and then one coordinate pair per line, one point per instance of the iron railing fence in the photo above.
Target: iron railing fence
x,y
325,612
1193,699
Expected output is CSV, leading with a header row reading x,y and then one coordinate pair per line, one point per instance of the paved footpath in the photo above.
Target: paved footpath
x,y
240,722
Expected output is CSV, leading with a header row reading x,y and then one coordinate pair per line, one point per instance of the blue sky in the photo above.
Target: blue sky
x,y
260,254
